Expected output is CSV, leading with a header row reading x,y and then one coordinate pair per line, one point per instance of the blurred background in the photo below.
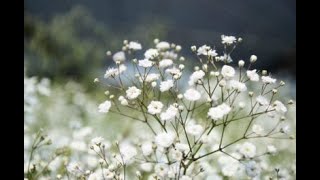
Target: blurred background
x,y
65,45
66,40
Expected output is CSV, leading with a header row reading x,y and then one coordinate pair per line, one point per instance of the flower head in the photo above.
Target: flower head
x,y
119,57
192,95
133,92
155,107
104,107
165,139
228,72
228,40
166,85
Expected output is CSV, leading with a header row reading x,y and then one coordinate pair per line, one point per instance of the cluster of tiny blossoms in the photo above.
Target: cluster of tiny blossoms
x,y
188,121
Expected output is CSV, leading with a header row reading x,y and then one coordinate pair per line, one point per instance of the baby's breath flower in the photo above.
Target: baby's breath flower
x,y
135,46
253,75
119,57
104,107
195,76
166,85
145,63
169,114
268,80
156,41
192,95
165,139
228,39
163,45
178,48
155,107
253,58
241,63
165,63
133,92
108,53
151,54
228,72
248,150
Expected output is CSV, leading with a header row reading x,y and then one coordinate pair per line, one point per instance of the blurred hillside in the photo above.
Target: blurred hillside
x,y
68,39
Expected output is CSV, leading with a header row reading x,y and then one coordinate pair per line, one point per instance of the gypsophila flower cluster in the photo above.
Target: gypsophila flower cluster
x,y
219,121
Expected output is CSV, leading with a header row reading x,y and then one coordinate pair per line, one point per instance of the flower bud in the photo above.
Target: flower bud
x,y
154,84
241,63
156,41
96,80
125,41
193,48
250,93
282,83
182,58
264,72
108,53
178,48
253,58
181,66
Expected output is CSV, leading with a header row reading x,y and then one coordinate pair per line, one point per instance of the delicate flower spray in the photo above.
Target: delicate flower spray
x,y
219,121
180,114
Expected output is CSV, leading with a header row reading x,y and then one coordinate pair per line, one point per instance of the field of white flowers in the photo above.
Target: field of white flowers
x,y
156,120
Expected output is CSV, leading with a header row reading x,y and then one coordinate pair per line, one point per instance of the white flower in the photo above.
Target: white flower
x,y
241,63
224,108
230,169
215,113
163,45
203,50
252,169
97,141
184,177
124,102
253,75
195,76
253,58
268,80
192,95
228,72
175,155
178,48
151,77
147,148
127,151
155,107
154,84
271,149
104,107
174,71
237,85
212,53
145,63
257,129
74,168
166,85
161,169
262,100
194,129
147,167
218,112
112,72
165,63
119,57
170,55
228,39
241,104
248,150
133,92
169,114
279,107
165,139
151,53
135,46
182,147
102,174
